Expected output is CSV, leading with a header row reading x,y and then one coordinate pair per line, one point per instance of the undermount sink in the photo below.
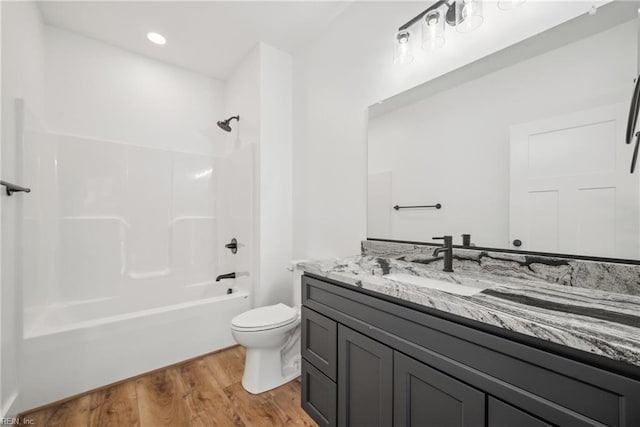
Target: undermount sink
x,y
440,285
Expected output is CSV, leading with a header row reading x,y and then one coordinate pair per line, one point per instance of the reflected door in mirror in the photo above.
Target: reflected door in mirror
x,y
571,191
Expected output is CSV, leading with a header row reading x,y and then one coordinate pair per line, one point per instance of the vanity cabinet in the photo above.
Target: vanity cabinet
x,y
371,360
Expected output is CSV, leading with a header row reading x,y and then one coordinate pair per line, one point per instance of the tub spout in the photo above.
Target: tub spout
x,y
226,276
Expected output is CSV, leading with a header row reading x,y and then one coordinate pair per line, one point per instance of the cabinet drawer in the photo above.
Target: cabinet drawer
x,y
318,395
319,342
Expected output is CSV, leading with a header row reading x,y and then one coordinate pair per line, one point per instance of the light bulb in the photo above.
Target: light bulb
x,y
433,31
402,52
468,15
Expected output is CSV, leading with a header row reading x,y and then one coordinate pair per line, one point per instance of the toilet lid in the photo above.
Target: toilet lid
x,y
267,317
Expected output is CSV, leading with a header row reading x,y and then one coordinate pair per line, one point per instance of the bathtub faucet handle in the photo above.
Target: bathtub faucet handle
x,y
232,246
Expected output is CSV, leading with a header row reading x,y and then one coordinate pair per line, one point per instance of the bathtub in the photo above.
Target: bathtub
x,y
75,347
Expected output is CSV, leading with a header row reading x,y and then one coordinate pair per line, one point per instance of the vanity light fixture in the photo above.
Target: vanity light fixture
x,y
468,15
464,15
403,53
433,30
156,38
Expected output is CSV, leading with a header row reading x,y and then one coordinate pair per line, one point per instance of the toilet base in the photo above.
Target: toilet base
x,y
263,370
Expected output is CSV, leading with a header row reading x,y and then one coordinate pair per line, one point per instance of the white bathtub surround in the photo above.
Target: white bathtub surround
x,y
133,223
132,241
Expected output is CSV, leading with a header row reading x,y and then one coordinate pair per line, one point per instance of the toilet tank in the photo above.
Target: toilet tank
x,y
296,286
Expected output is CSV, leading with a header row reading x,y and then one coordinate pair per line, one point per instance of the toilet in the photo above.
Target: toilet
x,y
271,335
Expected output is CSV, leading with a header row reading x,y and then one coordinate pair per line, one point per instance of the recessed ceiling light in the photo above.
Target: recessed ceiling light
x,y
156,38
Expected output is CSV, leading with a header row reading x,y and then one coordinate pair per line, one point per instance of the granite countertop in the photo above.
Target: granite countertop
x,y
595,321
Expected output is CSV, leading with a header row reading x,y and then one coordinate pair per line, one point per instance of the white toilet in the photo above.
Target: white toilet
x,y
271,335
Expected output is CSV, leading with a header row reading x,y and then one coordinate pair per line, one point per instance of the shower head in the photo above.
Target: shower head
x,y
225,124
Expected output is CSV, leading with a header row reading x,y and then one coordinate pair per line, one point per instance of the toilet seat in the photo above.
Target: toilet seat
x,y
264,318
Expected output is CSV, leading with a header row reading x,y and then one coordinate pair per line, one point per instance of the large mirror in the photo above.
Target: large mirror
x,y
523,150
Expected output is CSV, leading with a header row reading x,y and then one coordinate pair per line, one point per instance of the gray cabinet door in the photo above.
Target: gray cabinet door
x,y
365,381
425,397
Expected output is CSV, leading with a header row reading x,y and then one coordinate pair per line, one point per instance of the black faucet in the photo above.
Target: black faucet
x,y
226,276
447,248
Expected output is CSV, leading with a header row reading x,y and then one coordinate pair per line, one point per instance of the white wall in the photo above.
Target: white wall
x,y
453,147
350,67
22,77
99,91
260,91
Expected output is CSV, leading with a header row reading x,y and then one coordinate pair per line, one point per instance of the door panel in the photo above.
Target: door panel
x,y
365,381
424,397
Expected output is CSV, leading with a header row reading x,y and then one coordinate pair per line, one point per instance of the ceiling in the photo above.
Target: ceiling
x,y
210,37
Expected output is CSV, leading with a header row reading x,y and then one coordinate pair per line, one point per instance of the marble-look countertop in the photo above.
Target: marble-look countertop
x,y
598,322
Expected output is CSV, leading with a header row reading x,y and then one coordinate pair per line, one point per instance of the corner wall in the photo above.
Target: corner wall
x,y
275,176
260,91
